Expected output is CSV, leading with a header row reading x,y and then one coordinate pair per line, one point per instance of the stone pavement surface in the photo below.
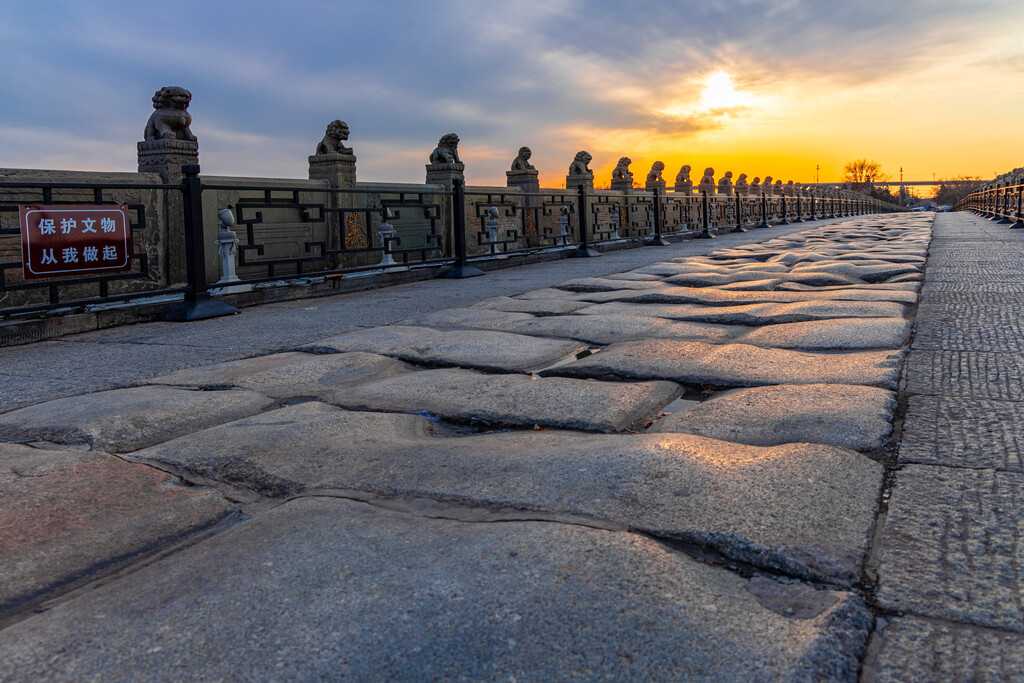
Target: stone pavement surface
x,y
950,566
665,463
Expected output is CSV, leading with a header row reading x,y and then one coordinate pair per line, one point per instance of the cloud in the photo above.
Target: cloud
x,y
547,73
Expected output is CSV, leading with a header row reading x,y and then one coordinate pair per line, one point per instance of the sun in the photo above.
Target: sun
x,y
718,93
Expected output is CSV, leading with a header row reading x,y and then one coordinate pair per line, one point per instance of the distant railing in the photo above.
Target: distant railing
x,y
1000,204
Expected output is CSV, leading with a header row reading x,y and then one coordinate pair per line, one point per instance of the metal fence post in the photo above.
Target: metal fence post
x,y
461,268
1020,216
706,234
739,215
657,240
197,305
584,251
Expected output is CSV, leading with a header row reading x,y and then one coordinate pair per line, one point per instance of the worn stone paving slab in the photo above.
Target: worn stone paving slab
x,y
332,588
996,376
128,419
858,271
593,329
713,279
921,651
600,284
683,295
854,417
752,285
841,333
821,500
468,396
964,432
548,306
610,329
898,287
701,364
19,392
481,349
291,374
752,314
67,515
461,318
951,546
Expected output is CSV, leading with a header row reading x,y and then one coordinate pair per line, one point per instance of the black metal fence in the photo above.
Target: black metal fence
x,y
286,231
1001,204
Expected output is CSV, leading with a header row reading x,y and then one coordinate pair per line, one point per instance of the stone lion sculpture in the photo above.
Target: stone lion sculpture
x,y
766,185
171,119
447,151
522,162
333,142
656,168
709,178
741,184
778,187
579,164
622,171
726,180
683,177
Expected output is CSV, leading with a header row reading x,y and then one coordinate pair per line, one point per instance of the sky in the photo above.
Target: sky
x,y
791,88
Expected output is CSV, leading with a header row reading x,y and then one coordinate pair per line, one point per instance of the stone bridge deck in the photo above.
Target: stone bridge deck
x,y
758,457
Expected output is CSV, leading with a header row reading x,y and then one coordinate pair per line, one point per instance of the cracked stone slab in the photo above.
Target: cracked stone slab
x,y
951,549
753,314
713,279
291,374
720,365
610,329
343,589
959,432
839,333
878,287
127,419
879,273
920,651
468,396
593,329
481,349
67,516
854,417
821,500
980,375
709,295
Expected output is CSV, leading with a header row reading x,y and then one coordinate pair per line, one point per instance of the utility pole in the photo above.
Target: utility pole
x,y
817,173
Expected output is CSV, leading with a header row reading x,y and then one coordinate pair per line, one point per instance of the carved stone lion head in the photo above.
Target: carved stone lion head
x,y
579,163
172,97
447,151
338,129
337,132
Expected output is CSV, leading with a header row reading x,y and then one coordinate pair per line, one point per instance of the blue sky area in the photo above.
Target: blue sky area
x,y
558,75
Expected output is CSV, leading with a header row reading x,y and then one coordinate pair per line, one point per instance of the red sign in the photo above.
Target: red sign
x,y
74,239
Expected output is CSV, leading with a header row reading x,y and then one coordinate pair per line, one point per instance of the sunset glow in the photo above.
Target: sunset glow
x,y
778,88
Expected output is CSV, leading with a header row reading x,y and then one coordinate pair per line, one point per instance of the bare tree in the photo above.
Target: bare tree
x,y
861,171
952,190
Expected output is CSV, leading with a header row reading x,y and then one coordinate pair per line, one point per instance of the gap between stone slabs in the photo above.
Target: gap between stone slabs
x,y
802,509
